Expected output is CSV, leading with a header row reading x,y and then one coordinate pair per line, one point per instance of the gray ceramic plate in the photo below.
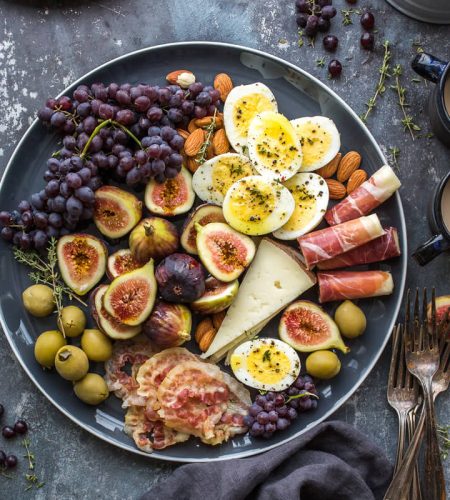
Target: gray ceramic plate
x,y
435,11
298,94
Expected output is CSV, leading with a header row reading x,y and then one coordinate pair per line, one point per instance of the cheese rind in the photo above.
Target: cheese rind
x,y
275,278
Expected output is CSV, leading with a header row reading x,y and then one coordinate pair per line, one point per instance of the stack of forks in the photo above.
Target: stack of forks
x,y
419,371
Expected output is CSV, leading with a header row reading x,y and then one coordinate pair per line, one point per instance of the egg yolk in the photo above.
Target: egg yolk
x,y
247,108
252,202
266,364
305,206
227,171
315,141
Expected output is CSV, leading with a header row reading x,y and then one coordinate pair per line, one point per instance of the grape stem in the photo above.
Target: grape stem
x,y
105,123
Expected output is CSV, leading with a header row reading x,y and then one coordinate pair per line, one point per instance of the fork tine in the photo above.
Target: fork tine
x,y
416,329
396,338
407,326
427,341
401,382
434,326
445,356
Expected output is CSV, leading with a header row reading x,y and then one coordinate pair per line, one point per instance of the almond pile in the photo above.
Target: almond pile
x,y
207,328
196,134
347,170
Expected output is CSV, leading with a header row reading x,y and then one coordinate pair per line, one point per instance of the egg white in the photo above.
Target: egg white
x,y
213,178
243,103
255,205
265,376
311,195
320,141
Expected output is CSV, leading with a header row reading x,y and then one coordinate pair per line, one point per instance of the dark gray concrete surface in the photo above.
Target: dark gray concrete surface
x,y
45,45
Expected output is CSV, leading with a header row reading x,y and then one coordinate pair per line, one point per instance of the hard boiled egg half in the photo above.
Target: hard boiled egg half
x,y
256,205
310,192
265,364
212,180
243,103
320,141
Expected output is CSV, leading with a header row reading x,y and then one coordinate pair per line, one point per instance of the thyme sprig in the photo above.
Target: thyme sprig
x,y
347,15
29,456
443,433
380,88
45,272
320,63
394,153
210,129
31,478
407,120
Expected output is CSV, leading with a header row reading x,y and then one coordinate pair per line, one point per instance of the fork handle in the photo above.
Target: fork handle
x,y
434,472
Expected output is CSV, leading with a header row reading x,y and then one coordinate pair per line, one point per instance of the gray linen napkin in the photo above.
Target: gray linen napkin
x,y
333,461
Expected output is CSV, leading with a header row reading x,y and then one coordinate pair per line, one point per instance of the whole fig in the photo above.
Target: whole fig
x,y
169,325
180,278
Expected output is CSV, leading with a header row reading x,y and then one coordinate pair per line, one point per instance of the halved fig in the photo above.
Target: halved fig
x,y
307,327
218,296
153,238
81,260
116,211
171,197
105,322
121,262
203,214
223,251
130,297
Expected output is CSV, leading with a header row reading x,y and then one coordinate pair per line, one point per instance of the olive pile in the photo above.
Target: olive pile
x,y
8,432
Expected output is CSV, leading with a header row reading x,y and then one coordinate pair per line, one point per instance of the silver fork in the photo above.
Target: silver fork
x,y
422,359
402,395
441,381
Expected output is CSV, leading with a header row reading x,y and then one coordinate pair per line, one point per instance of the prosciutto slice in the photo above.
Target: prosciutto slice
x,y
341,285
383,248
372,193
332,241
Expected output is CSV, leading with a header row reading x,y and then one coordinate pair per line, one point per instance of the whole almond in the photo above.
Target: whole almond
x,y
184,133
206,121
204,326
207,339
337,189
356,179
192,126
218,318
330,168
220,142
348,164
192,165
210,151
194,142
224,84
181,77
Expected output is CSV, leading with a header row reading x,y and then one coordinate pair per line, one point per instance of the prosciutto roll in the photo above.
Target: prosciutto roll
x,y
341,285
332,241
372,193
383,248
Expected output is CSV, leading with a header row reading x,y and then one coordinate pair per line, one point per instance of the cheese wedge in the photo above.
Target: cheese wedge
x,y
275,278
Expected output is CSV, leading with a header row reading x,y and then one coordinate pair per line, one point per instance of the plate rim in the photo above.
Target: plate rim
x,y
401,285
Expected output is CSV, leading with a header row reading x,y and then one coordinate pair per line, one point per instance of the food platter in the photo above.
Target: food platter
x,y
297,94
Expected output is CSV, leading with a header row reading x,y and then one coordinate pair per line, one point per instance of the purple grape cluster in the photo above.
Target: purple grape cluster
x,y
121,132
275,411
314,15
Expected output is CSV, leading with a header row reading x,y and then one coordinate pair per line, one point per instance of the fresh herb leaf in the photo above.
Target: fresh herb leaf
x,y
266,355
320,63
210,129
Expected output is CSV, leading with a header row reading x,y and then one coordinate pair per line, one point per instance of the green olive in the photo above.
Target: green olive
x,y
38,300
91,389
72,321
323,364
96,345
350,319
71,362
46,346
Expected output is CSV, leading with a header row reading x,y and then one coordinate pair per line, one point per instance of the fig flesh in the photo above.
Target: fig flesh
x,y
105,322
169,325
218,296
130,297
121,262
180,278
116,211
81,261
307,327
203,214
223,251
172,197
153,238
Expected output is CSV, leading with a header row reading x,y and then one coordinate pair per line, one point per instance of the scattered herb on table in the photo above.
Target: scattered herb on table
x,y
210,129
45,272
320,63
300,42
443,433
380,88
407,120
31,479
394,153
347,15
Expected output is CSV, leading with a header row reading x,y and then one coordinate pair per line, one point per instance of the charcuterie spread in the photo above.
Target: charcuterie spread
x,y
212,217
